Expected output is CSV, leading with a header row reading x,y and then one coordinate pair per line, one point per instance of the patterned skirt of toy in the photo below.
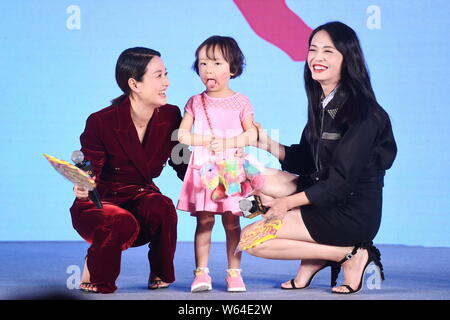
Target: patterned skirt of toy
x,y
259,232
218,186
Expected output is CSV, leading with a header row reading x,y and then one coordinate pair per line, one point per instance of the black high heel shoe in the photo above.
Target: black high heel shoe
x,y
374,256
335,269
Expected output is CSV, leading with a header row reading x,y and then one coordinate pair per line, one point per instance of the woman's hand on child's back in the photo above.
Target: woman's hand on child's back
x,y
263,138
262,135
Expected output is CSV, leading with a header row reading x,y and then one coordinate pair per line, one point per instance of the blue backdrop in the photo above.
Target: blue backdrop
x,y
57,66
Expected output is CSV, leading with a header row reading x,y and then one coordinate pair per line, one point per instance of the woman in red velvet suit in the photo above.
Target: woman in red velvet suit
x,y
128,144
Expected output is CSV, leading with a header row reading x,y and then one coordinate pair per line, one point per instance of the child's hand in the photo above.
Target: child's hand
x,y
218,145
239,153
206,140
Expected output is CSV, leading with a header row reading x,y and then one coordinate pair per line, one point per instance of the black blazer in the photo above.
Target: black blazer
x,y
342,174
344,156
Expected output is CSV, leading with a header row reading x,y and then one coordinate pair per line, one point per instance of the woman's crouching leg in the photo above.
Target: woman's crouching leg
x,y
159,220
109,230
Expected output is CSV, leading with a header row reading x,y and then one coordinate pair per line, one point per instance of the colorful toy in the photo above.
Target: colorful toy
x,y
228,177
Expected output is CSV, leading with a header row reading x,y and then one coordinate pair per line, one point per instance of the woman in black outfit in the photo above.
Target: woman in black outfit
x,y
331,197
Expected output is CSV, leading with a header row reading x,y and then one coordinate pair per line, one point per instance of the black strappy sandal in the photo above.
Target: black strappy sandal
x,y
374,256
335,269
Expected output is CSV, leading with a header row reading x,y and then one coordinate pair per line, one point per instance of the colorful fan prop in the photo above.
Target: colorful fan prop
x,y
256,233
71,172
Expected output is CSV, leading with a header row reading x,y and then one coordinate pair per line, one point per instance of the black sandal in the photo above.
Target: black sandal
x,y
335,269
374,256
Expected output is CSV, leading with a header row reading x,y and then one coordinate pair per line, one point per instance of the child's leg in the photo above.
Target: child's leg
x,y
202,241
233,233
234,281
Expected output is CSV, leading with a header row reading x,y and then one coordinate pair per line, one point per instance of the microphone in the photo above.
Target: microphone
x,y
85,165
252,206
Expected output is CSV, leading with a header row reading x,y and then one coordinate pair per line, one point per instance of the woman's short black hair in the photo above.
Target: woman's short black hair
x,y
132,63
229,49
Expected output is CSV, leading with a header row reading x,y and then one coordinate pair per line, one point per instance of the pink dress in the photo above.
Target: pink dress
x,y
226,116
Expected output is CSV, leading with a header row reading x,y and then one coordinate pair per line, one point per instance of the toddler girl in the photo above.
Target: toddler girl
x,y
223,122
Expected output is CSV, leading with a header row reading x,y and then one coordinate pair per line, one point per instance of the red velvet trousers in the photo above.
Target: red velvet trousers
x,y
150,218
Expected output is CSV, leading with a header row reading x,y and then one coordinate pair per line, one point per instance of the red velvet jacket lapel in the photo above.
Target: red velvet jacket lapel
x,y
156,141
129,140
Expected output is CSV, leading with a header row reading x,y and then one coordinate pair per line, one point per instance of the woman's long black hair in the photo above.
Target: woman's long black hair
x,y
132,63
354,83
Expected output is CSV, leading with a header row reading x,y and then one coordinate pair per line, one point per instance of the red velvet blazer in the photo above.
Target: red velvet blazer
x,y
124,167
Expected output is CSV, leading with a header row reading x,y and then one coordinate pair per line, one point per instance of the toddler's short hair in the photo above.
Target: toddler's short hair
x,y
230,51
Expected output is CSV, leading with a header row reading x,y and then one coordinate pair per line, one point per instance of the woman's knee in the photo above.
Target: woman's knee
x,y
119,228
158,208
125,226
278,183
256,251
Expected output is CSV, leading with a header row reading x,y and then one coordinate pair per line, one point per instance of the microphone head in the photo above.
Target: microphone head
x,y
77,156
245,204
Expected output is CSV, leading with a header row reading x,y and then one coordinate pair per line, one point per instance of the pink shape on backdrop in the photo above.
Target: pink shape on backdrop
x,y
273,21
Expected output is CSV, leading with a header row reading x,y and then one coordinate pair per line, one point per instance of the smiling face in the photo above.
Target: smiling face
x,y
214,72
153,87
324,61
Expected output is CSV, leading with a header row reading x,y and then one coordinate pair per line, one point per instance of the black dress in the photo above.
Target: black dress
x,y
342,174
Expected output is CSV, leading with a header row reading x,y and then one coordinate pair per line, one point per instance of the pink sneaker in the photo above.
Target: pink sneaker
x,y
234,281
202,280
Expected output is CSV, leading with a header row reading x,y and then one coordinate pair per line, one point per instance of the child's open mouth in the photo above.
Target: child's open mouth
x,y
210,83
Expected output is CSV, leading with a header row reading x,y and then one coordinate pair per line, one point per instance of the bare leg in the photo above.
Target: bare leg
x,y
202,243
278,183
233,233
353,270
308,266
286,249
85,277
294,242
85,284
305,271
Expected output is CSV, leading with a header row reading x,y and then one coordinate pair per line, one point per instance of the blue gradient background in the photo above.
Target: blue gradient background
x,y
52,78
